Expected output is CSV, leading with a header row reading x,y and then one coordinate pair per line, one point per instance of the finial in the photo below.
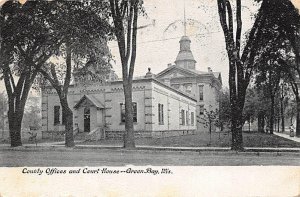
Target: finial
x,y
149,74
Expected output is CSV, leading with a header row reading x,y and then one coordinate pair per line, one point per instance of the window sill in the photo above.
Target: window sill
x,y
123,123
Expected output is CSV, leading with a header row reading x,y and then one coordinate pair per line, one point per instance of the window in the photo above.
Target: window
x,y
175,86
182,118
187,118
161,114
192,118
201,109
201,93
134,108
188,87
56,115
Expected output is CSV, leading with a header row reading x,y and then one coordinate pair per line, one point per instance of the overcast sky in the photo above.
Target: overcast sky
x,y
158,44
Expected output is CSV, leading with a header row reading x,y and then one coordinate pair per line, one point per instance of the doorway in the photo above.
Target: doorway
x,y
87,119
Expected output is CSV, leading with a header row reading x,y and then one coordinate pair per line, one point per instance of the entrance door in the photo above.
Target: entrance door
x,y
87,118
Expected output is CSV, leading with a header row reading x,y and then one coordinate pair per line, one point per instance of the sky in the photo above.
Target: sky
x,y
158,43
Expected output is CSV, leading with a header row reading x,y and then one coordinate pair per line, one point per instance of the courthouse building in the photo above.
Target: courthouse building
x,y
167,104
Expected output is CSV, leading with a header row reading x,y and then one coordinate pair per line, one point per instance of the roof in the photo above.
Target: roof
x,y
153,79
185,38
185,55
216,75
92,100
194,72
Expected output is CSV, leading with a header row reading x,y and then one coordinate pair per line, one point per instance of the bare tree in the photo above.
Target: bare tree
x,y
125,15
240,65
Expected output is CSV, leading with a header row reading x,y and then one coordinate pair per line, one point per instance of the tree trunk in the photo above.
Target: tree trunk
x,y
278,124
272,115
236,129
67,121
298,117
261,122
15,122
15,116
282,116
210,132
129,130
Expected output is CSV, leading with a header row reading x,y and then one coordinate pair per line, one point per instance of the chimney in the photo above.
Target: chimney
x,y
209,69
169,65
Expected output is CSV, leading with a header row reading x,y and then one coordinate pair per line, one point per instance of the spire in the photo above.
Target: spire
x,y
185,58
184,18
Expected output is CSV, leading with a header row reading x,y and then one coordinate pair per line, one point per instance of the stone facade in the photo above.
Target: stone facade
x,y
204,86
167,104
159,109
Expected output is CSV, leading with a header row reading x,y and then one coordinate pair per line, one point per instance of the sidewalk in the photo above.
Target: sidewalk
x,y
61,147
295,139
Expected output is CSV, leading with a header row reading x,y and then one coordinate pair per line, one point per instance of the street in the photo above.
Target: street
x,y
105,157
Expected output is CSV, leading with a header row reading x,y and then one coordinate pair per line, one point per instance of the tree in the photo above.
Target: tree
x,y
288,20
83,29
285,22
284,92
291,111
251,105
271,15
209,119
24,39
224,109
240,65
125,15
268,81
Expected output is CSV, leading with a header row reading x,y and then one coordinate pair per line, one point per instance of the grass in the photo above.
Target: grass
x,y
251,139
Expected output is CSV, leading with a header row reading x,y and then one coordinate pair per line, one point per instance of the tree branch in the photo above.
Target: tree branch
x,y
134,35
129,35
68,69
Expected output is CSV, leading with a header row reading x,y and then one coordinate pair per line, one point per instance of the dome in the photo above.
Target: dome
x,y
185,38
185,56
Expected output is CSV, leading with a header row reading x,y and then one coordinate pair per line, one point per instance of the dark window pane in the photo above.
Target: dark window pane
x,y
56,115
192,118
201,93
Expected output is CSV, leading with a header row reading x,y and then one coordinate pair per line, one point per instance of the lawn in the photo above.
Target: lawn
x,y
251,139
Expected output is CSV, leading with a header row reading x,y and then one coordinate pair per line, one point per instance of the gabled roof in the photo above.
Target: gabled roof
x,y
174,67
187,71
216,76
92,100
